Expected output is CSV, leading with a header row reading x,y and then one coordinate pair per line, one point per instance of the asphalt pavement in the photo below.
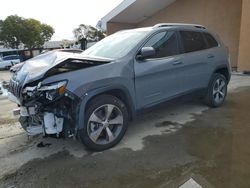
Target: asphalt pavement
x,y
183,144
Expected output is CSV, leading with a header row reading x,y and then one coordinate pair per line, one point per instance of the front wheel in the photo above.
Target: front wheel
x,y
217,91
106,121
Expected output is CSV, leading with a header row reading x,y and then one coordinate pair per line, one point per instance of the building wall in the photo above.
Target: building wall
x,y
113,27
220,16
244,49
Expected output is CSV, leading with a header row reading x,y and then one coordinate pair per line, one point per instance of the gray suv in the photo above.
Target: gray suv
x,y
94,94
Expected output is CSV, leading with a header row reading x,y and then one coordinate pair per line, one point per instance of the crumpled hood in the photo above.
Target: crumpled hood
x,y
36,67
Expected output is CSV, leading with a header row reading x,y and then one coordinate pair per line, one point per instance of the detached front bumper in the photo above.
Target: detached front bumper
x,y
21,110
24,111
52,118
35,122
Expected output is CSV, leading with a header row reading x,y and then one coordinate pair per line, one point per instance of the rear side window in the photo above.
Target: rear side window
x,y
211,40
165,44
192,41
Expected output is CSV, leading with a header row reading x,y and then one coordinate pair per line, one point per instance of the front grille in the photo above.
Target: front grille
x,y
15,88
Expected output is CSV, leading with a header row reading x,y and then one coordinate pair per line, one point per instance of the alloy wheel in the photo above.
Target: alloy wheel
x,y
105,124
219,90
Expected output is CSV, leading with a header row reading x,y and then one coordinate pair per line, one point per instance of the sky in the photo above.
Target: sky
x,y
62,15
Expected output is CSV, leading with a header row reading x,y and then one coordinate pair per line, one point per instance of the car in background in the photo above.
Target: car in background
x,y
8,61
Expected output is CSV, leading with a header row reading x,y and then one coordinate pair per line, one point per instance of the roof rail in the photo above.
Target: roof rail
x,y
178,24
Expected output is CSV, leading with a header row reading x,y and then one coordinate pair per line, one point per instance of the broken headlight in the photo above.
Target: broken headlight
x,y
51,91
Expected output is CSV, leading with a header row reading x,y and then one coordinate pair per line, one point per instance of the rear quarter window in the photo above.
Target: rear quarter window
x,y
211,40
192,41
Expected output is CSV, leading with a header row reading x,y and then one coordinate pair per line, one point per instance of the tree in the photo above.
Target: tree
x,y
85,33
11,31
35,33
31,33
88,32
1,24
47,32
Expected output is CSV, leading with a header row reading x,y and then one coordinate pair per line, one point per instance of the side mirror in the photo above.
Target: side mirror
x,y
146,52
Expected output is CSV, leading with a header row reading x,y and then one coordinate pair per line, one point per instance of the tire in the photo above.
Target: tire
x,y
216,91
106,121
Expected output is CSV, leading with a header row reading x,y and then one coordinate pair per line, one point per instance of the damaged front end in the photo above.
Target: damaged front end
x,y
46,89
48,109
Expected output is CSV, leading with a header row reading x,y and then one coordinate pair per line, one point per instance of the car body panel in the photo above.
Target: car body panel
x,y
144,83
37,67
155,80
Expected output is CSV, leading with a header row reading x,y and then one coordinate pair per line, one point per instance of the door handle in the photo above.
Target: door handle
x,y
210,56
177,62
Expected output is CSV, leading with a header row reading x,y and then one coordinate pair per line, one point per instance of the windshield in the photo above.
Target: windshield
x,y
117,45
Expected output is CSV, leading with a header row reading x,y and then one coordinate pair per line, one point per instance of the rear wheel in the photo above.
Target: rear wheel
x,y
106,121
217,91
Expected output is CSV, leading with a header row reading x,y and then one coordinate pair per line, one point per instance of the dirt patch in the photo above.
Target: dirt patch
x,y
7,121
166,123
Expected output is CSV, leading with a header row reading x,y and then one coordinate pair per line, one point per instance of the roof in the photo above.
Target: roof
x,y
168,25
133,11
197,26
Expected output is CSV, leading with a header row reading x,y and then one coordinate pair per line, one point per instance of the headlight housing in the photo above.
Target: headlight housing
x,y
52,86
51,91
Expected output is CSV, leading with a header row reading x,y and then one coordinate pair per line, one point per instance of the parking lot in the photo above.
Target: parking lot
x,y
174,144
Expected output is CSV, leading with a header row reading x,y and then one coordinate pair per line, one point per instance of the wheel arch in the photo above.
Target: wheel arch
x,y
118,91
224,71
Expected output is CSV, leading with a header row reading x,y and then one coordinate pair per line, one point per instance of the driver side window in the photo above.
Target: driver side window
x,y
165,44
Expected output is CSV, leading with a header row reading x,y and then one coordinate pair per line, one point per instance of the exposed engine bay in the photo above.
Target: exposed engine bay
x,y
45,109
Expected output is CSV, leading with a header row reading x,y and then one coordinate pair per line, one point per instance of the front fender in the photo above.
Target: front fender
x,y
89,95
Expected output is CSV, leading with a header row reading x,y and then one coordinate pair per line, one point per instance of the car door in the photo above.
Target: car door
x,y
1,64
196,67
6,62
156,78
